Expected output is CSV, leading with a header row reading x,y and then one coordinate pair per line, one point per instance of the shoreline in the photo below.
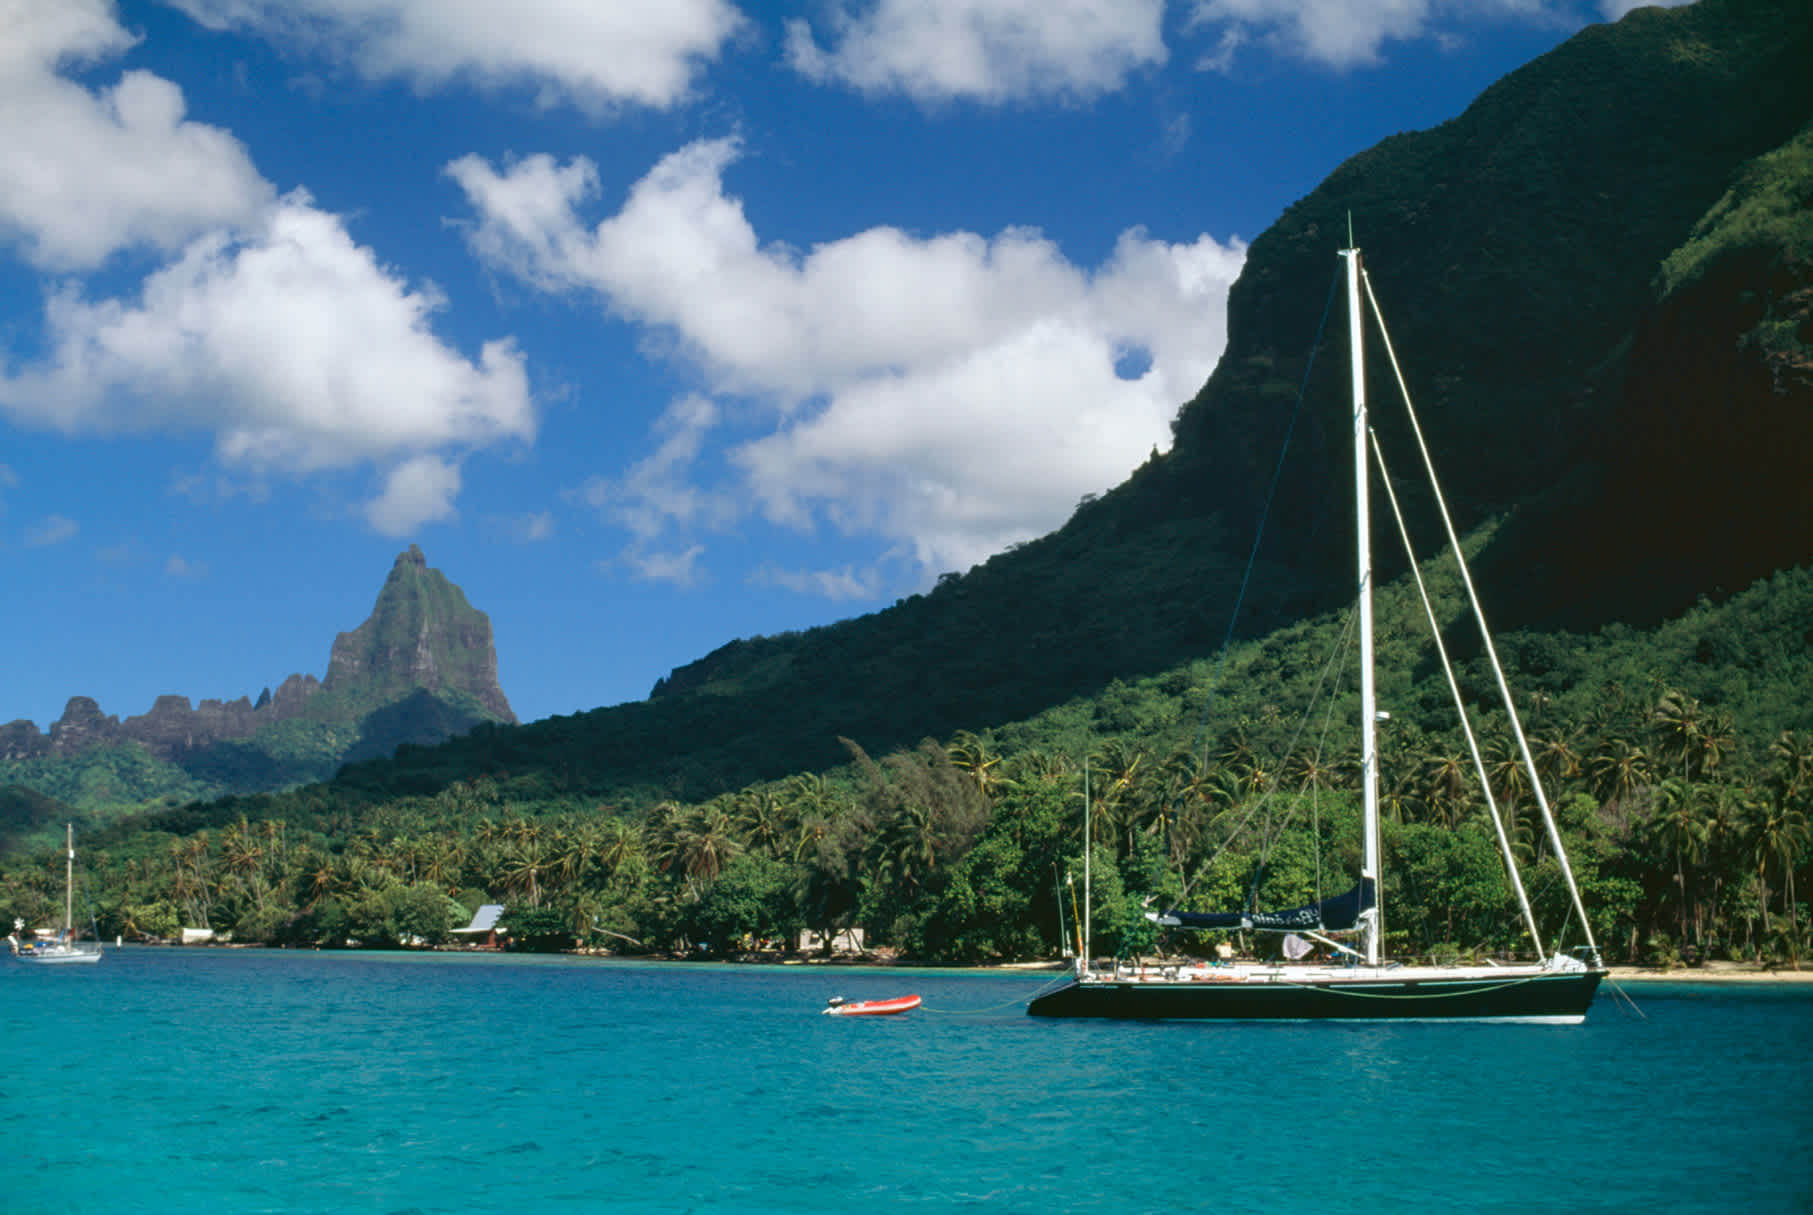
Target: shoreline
x,y
1717,972
1713,972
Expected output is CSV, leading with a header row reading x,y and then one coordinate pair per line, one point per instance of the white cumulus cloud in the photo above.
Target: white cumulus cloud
x,y
417,491
679,567
1343,34
991,51
85,173
949,394
268,327
291,345
591,52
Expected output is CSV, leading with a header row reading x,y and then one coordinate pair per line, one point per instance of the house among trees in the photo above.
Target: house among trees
x,y
482,932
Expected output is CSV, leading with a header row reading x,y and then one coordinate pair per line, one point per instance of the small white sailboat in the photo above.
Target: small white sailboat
x,y
1359,984
62,948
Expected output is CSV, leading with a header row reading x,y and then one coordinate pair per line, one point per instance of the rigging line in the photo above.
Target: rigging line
x,y
1460,707
1407,995
976,1012
1328,720
1485,634
93,923
1625,996
1271,495
1334,661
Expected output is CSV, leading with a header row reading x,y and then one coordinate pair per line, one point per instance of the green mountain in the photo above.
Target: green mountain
x,y
421,669
1597,280
421,637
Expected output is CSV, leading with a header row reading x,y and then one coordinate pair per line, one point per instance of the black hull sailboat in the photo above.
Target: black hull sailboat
x,y
1284,993
1359,984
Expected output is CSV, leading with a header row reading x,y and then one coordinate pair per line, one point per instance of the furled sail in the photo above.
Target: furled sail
x,y
1338,914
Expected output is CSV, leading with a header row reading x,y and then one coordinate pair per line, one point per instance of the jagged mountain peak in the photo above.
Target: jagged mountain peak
x,y
422,633
419,670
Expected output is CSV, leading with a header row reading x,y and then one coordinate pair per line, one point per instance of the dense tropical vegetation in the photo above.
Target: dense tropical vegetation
x,y
1683,810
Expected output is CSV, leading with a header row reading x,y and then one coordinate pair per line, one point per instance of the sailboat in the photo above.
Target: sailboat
x,y
1358,983
62,948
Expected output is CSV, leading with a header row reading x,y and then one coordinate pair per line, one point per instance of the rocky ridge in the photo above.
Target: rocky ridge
x,y
421,635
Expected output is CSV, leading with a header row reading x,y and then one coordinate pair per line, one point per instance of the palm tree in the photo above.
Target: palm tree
x,y
524,861
620,843
664,824
1447,786
1679,828
1187,793
1253,774
1793,772
812,832
1618,769
1718,736
319,874
1307,771
1504,768
239,848
275,846
907,852
1680,723
442,860
700,842
972,755
1557,760
190,883
761,818
1730,810
583,913
1034,767
1779,833
1114,775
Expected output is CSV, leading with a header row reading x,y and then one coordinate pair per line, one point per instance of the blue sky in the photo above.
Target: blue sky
x,y
655,325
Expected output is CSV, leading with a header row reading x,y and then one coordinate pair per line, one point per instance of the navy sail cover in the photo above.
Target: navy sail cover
x,y
1337,914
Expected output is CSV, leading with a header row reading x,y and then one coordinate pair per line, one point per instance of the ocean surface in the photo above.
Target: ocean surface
x,y
167,1080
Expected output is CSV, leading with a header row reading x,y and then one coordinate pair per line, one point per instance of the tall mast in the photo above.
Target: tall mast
x,y
69,881
1369,755
1088,886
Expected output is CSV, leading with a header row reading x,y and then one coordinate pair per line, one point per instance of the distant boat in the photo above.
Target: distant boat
x,y
839,1007
62,948
1354,982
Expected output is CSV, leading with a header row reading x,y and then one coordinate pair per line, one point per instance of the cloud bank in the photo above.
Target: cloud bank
x,y
1347,34
951,394
592,54
989,51
268,328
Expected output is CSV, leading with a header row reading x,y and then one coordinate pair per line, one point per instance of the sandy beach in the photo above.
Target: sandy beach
x,y
1712,972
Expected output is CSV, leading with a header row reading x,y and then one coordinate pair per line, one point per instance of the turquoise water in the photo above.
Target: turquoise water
x,y
247,1081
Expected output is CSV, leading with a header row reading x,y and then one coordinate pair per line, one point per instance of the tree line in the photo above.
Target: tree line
x,y
1687,847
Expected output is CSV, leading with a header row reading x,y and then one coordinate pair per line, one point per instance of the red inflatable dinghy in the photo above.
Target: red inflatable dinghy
x,y
870,1008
